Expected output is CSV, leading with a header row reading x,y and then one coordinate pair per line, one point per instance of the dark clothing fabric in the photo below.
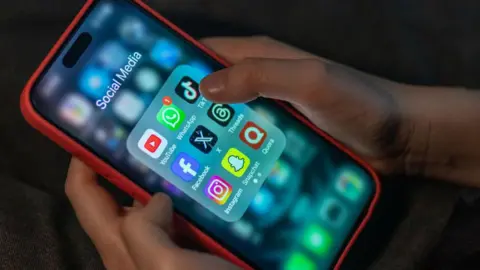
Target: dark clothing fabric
x,y
412,41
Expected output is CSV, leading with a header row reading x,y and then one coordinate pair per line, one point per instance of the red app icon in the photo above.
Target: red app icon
x,y
152,143
253,135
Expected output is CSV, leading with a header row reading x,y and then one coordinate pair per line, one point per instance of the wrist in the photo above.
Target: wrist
x,y
444,143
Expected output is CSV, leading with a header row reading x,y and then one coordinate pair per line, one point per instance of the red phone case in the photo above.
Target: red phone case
x,y
122,182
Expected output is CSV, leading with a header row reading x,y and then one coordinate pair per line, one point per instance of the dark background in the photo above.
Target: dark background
x,y
419,225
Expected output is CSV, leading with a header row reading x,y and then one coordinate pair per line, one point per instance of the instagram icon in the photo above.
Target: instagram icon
x,y
218,190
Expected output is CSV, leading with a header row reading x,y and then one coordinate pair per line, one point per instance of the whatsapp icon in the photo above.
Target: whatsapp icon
x,y
171,116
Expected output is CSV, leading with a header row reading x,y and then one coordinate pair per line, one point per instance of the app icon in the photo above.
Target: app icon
x,y
317,240
166,54
280,174
76,110
263,202
185,167
218,190
203,139
113,56
350,185
253,135
243,229
299,148
171,189
94,82
152,143
109,135
333,212
103,12
222,114
148,80
298,261
128,107
133,30
50,84
171,116
236,162
187,89
301,209
201,67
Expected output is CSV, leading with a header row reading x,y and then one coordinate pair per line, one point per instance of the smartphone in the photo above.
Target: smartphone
x,y
256,183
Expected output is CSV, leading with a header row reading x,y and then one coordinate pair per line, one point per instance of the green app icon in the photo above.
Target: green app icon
x,y
171,116
317,240
299,261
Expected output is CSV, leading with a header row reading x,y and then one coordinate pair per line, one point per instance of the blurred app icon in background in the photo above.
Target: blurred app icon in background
x,y
242,229
350,185
201,67
128,107
50,85
171,189
103,13
299,261
113,56
76,110
299,148
133,30
280,174
333,212
300,209
317,240
263,202
110,135
166,54
148,80
94,82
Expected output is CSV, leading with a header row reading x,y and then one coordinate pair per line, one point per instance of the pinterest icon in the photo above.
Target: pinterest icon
x,y
222,114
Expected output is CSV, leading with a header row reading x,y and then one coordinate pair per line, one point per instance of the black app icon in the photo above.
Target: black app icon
x,y
203,139
188,90
222,114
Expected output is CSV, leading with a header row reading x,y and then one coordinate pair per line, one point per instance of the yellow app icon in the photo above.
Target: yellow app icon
x,y
235,162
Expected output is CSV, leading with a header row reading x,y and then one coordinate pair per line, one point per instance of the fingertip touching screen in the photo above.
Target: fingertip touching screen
x,y
252,176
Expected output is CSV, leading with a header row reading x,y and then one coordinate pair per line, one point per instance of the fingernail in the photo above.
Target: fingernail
x,y
213,83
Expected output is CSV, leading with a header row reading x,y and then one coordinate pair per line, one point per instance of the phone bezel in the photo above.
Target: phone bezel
x,y
83,152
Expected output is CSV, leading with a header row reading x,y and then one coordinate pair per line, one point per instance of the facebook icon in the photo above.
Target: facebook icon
x,y
185,167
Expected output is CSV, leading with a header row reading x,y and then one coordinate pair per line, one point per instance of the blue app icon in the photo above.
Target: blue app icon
x,y
263,202
94,82
185,167
201,67
166,54
113,56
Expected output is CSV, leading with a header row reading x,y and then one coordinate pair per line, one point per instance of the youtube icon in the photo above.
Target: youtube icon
x,y
152,143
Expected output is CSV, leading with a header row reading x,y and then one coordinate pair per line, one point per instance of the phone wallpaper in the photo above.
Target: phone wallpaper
x,y
250,175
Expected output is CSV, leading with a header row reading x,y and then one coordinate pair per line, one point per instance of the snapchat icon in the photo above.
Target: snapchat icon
x,y
235,162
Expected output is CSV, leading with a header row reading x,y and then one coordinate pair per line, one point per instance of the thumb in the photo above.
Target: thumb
x,y
295,81
358,109
145,231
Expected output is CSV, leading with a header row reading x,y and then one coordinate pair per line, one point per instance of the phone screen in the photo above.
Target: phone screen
x,y
251,176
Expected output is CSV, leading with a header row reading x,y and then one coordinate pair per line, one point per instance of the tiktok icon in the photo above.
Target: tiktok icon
x,y
185,167
188,90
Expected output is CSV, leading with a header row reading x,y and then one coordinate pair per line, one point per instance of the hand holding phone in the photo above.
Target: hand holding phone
x,y
255,182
